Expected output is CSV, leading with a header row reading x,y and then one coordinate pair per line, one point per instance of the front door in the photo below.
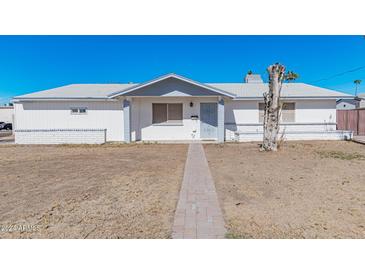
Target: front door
x,y
208,120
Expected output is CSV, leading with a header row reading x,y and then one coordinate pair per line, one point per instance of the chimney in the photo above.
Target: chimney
x,y
253,78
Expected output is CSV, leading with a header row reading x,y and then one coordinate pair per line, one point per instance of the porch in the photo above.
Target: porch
x,y
173,119
173,108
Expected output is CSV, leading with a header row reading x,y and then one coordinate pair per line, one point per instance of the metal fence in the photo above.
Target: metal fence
x,y
352,119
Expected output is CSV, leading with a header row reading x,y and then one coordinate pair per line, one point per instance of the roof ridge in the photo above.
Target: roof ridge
x,y
102,84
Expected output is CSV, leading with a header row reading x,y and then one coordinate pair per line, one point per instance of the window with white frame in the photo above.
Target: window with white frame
x,y
287,113
78,110
167,113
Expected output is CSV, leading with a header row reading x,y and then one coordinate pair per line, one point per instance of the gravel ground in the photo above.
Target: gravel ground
x,y
305,190
6,136
89,191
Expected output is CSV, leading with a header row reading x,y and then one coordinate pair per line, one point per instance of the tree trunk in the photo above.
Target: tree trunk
x,y
272,108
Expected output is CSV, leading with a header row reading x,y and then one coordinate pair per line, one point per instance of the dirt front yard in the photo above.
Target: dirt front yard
x,y
305,190
90,191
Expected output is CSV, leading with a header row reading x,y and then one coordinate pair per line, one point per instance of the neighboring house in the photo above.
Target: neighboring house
x,y
6,114
344,104
171,107
362,101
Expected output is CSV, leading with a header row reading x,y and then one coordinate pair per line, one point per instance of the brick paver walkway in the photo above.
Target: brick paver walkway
x,y
198,215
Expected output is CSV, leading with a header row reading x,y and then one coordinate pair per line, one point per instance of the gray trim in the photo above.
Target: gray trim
x,y
127,120
171,75
221,121
57,129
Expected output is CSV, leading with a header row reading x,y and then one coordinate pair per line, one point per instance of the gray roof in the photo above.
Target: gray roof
x,y
176,77
99,91
237,90
295,90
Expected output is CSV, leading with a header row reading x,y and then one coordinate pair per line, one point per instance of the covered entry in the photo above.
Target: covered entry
x,y
173,108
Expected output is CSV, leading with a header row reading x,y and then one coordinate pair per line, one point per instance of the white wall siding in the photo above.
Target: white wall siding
x,y
241,112
306,111
315,111
57,115
143,129
313,118
60,136
316,116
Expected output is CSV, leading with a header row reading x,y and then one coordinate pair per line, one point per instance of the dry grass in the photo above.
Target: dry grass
x,y
341,155
90,191
305,190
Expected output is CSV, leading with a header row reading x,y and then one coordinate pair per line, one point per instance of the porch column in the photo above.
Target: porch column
x,y
127,120
221,131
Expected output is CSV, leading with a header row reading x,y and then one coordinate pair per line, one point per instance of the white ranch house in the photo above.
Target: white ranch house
x,y
171,108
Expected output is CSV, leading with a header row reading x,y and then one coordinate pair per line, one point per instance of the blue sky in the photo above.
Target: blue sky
x,y
33,63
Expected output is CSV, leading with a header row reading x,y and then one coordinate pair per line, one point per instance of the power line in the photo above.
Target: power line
x,y
339,74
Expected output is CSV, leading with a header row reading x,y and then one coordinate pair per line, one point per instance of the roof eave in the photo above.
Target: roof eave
x,y
21,99
298,97
171,75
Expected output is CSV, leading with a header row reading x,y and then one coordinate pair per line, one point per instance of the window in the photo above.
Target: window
x,y
78,110
261,112
174,112
159,113
167,113
287,112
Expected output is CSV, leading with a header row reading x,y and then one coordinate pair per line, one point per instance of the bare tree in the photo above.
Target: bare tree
x,y
272,107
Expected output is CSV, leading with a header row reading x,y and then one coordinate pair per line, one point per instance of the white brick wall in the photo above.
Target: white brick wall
x,y
60,136
318,128
298,136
